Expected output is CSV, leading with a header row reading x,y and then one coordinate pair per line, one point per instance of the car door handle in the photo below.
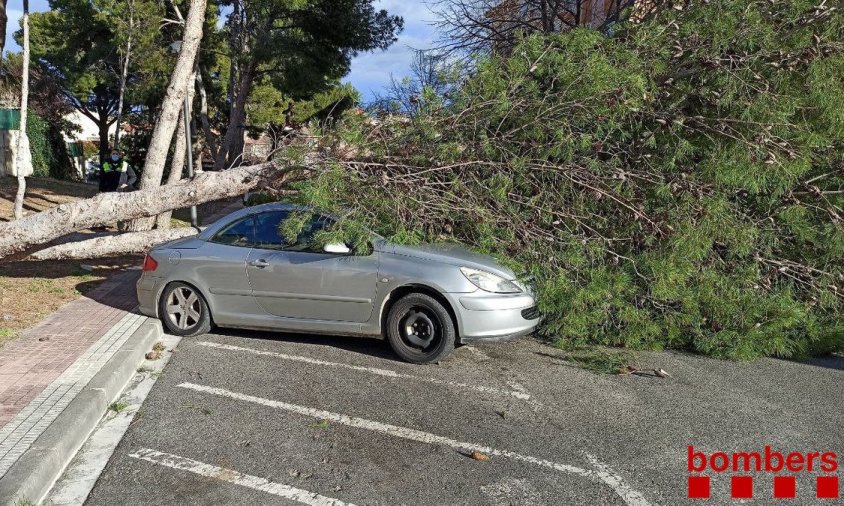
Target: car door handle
x,y
260,263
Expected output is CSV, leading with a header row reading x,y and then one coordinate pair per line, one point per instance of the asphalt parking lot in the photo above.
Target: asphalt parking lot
x,y
243,417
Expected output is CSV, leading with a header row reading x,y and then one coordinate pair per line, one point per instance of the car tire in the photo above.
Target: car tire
x,y
420,329
184,311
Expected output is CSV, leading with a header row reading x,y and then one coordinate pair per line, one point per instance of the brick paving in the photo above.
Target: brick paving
x,y
20,432
45,367
31,362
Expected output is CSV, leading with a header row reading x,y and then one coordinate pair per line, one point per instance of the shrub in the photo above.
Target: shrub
x,y
48,148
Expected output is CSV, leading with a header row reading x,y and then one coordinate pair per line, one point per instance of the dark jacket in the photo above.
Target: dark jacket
x,y
110,175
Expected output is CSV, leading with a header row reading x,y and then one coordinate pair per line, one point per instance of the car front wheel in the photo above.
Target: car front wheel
x,y
420,329
184,311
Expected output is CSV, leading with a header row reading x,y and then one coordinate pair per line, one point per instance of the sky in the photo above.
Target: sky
x,y
370,71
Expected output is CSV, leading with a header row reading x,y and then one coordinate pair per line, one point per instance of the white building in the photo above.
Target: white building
x,y
88,129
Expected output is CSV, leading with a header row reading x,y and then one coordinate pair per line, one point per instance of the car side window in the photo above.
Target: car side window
x,y
305,241
267,234
240,233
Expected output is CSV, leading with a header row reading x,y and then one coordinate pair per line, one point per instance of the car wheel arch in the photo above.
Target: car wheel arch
x,y
399,292
192,285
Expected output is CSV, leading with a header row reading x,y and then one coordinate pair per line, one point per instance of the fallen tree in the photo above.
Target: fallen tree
x,y
675,185
132,243
22,237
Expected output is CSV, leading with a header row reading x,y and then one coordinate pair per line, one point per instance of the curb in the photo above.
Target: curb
x,y
32,476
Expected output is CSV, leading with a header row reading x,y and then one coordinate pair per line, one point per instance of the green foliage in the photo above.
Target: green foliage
x,y
48,148
304,46
677,185
81,45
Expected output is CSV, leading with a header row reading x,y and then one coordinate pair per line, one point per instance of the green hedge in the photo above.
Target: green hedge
x,y
49,151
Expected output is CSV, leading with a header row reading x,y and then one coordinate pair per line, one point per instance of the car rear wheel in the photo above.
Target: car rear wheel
x,y
184,311
420,329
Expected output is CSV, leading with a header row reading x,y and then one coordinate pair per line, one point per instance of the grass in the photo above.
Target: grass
x,y
24,502
322,424
117,407
181,217
41,193
29,291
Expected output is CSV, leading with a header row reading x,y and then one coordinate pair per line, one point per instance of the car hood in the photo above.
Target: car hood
x,y
452,254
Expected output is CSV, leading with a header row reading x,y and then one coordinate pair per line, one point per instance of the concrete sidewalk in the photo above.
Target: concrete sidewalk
x,y
57,379
34,360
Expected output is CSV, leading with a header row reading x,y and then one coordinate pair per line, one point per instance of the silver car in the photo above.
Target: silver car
x,y
241,273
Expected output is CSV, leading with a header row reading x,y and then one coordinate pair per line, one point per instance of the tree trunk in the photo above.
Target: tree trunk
x,y
163,133
124,72
236,40
24,235
23,164
232,149
136,243
162,221
210,138
105,146
4,19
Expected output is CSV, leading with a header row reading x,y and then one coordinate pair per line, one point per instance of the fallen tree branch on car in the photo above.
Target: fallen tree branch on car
x,y
21,237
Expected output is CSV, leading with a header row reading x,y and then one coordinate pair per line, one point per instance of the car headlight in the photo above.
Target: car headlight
x,y
489,282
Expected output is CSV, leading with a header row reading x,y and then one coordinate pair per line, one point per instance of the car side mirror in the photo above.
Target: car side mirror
x,y
337,248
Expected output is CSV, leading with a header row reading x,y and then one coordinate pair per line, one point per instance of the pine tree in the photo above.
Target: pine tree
x,y
676,185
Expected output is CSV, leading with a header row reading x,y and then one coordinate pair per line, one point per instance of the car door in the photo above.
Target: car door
x,y
221,266
294,281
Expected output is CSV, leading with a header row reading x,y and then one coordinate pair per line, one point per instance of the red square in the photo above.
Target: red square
x,y
742,487
827,487
698,487
785,487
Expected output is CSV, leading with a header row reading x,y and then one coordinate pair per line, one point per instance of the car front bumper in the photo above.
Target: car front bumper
x,y
484,316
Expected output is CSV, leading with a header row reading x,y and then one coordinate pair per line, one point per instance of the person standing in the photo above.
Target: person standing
x,y
116,174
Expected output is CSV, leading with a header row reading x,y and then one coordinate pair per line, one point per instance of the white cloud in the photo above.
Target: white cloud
x,y
371,71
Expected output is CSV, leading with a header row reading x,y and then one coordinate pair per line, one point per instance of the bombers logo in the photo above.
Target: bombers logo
x,y
783,466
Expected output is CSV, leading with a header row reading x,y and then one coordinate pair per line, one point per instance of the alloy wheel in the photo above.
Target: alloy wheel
x,y
183,308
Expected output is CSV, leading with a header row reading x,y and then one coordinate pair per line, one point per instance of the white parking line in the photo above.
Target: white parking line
x,y
602,474
231,476
371,370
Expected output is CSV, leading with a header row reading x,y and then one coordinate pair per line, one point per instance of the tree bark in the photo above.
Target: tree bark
x,y
210,138
24,235
232,149
124,72
4,19
162,221
163,133
102,125
23,164
136,243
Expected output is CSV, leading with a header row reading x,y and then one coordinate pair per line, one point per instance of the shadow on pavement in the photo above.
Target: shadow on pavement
x,y
118,291
829,362
363,345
